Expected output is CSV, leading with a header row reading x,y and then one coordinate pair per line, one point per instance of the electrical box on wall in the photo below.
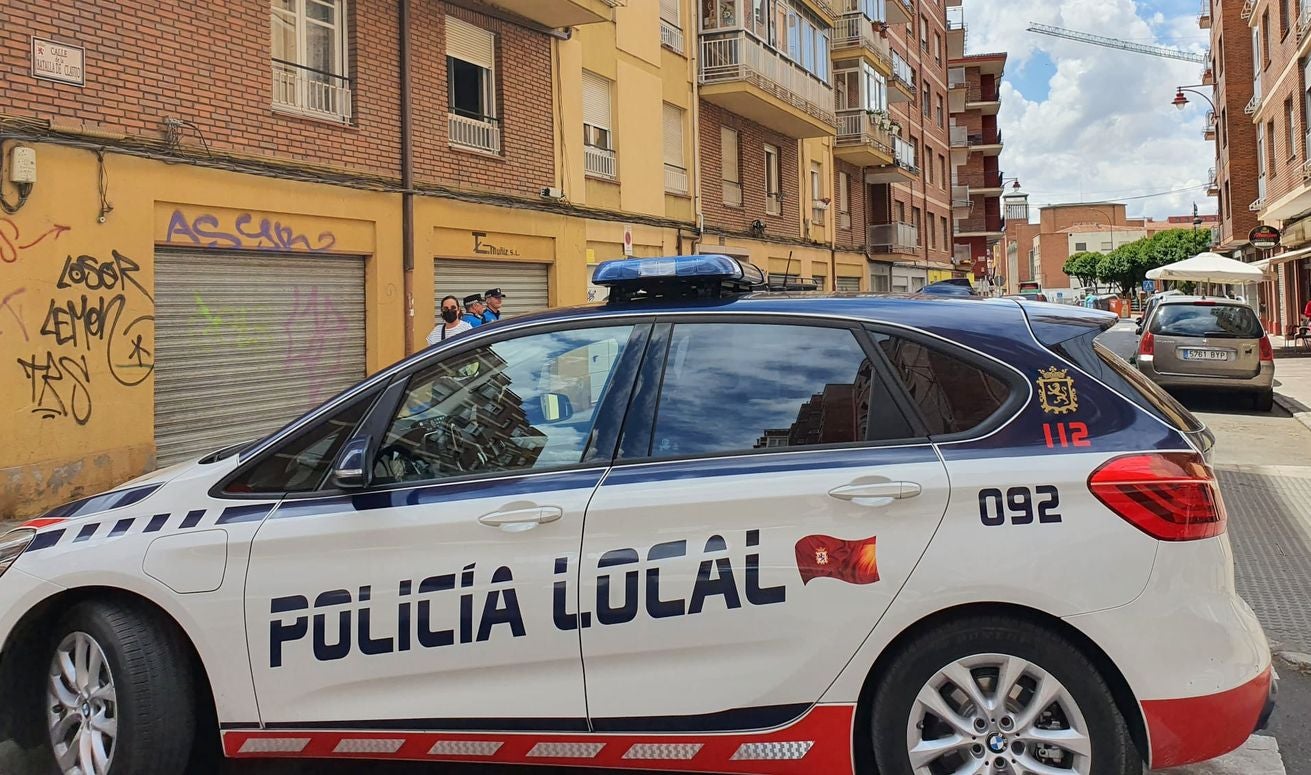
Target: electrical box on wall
x,y
22,164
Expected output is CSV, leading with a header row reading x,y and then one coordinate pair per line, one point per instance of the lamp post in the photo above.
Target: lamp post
x,y
1181,102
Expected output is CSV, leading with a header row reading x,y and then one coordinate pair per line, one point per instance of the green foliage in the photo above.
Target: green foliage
x,y
1127,266
1083,266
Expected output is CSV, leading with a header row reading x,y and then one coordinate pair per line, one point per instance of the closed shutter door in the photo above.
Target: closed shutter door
x,y
469,43
673,136
523,284
848,284
596,100
245,343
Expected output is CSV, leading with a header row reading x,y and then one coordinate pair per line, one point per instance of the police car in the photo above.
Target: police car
x,y
697,528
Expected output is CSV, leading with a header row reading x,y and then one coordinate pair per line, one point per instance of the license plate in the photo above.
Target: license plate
x,y
1204,355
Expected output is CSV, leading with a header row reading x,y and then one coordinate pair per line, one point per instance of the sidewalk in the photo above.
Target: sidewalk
x,y
1293,385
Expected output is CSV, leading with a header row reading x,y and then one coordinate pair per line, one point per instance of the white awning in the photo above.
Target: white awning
x,y
1266,263
1208,268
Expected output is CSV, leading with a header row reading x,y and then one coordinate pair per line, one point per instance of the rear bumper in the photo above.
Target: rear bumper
x,y
1262,381
1194,729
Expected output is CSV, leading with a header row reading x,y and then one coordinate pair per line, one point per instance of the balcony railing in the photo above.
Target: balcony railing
x,y
1257,204
1208,129
903,72
955,18
817,215
1249,6
1204,18
856,127
311,91
960,196
671,37
599,162
956,78
1304,20
855,30
480,135
980,94
732,193
893,237
844,221
1254,104
959,137
904,154
675,179
740,57
960,255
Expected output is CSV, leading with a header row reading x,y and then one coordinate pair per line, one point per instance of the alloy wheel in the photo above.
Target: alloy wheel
x,y
81,707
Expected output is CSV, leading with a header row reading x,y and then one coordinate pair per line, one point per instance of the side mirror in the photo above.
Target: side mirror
x,y
556,407
351,469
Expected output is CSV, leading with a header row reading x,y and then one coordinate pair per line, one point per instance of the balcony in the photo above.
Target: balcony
x,y
955,32
1207,77
1204,20
903,79
956,78
892,237
988,142
982,182
743,76
903,168
310,91
824,8
863,139
1254,104
1212,183
671,37
599,163
985,100
960,198
675,180
854,36
1208,130
1304,21
979,225
562,13
1257,205
900,12
1249,6
475,134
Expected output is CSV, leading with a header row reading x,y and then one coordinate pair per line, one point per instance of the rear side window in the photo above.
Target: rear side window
x,y
1142,391
738,387
953,395
1216,321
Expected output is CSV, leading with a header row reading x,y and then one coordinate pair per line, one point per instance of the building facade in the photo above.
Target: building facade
x,y
976,145
1233,179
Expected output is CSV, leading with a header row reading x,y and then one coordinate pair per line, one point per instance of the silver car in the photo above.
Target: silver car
x,y
1209,343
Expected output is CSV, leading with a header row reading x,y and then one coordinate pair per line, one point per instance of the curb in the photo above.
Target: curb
x,y
1295,660
1293,408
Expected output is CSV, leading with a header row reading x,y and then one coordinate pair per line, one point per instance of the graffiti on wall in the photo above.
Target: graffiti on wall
x,y
13,242
98,310
317,350
242,230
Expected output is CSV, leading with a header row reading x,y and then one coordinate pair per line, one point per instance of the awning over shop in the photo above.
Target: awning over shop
x,y
1208,268
1266,263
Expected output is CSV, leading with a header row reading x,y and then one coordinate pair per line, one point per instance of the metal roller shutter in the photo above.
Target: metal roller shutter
x,y
470,43
524,284
848,284
245,343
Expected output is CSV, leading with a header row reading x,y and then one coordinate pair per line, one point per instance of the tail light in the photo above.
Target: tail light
x,y
1170,496
1147,345
1267,352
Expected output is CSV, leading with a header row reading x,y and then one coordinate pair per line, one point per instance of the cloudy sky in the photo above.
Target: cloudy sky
x,y
1088,123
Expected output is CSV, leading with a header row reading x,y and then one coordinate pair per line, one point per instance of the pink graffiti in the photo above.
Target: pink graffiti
x,y
7,304
316,334
11,240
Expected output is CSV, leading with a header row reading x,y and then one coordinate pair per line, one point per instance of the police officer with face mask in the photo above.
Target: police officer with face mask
x,y
451,323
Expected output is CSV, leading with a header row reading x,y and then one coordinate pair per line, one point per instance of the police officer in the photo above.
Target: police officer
x,y
494,300
473,310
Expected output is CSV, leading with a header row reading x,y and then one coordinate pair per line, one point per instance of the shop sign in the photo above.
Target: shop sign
x,y
1264,237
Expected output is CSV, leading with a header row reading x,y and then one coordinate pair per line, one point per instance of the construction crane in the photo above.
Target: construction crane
x,y
1123,45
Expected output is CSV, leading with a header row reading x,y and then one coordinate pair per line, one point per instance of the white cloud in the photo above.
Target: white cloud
x,y
1106,129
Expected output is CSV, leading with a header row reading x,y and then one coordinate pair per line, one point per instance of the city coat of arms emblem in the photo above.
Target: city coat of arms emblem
x,y
1056,391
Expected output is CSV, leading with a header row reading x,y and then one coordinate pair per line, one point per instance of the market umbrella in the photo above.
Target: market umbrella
x,y
1208,268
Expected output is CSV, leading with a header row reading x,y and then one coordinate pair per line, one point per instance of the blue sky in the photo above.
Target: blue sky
x,y
1087,123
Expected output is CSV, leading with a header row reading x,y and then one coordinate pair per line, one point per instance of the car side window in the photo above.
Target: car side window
x,y
521,404
738,387
953,395
301,463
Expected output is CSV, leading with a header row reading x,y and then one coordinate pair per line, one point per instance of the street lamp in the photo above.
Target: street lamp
x,y
1180,101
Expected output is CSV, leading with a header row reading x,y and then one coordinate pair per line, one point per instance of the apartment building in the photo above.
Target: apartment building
x,y
976,146
1280,35
1233,178
224,230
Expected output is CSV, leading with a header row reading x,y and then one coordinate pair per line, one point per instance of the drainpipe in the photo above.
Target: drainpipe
x,y
692,42
407,180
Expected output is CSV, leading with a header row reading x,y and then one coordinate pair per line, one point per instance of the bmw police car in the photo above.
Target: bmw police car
x,y
698,528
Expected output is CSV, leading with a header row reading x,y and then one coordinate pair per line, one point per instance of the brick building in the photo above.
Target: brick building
x,y
976,147
1233,178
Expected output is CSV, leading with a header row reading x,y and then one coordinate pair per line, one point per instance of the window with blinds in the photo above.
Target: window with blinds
x,y
596,111
309,52
675,170
470,68
773,182
730,166
844,200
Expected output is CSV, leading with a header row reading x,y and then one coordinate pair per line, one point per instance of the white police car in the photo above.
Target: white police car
x,y
695,528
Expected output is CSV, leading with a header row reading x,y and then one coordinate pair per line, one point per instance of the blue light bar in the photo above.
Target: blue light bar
x,y
701,268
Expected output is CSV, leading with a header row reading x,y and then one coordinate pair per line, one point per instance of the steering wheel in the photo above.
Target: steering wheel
x,y
402,465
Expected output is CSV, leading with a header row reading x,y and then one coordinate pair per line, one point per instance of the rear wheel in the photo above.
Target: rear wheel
x,y
998,696
1265,401
117,693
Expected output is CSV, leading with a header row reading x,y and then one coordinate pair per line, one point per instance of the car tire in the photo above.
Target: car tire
x,y
1034,660
136,709
1264,401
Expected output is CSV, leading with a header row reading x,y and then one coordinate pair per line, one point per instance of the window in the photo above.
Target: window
x,y
671,25
1220,56
734,387
901,212
926,104
1270,147
1108,246
844,200
937,47
1229,205
933,233
302,463
924,34
1265,39
1223,321
817,194
675,168
1080,247
1224,127
928,163
1290,129
915,223
730,168
946,233
942,170
952,396
522,404
773,183
1283,17
598,139
939,113
1260,165
471,86
309,57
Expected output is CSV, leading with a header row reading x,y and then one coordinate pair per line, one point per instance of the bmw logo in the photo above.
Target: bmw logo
x,y
997,742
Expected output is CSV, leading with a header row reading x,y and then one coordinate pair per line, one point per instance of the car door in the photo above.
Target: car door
x,y
769,500
426,596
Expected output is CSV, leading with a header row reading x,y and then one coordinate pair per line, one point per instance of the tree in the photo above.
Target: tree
x,y
1124,267
1167,247
1083,267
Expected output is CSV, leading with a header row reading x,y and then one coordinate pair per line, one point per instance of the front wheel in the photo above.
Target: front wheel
x,y
117,693
998,696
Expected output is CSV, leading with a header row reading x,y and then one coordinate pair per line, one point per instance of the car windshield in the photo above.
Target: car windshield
x,y
1216,321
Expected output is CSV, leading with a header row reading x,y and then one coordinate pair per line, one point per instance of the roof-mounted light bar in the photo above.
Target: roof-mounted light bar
x,y
708,276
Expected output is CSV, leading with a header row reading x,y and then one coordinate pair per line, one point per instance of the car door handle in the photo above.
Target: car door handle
x,y
876,490
535,515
